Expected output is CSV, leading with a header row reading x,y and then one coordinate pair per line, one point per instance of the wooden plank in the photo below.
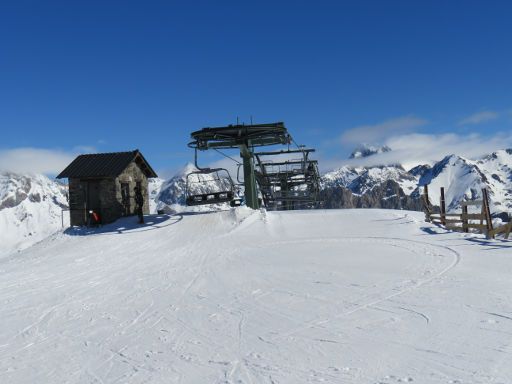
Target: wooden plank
x,y
473,202
505,229
477,226
500,229
472,216
454,220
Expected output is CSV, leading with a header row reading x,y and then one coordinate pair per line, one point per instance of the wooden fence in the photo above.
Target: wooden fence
x,y
464,221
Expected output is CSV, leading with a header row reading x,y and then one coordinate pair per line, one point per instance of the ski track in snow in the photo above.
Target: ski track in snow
x,y
357,296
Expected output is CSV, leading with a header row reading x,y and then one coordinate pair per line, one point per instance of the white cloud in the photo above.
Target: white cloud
x,y
415,148
377,132
34,160
479,117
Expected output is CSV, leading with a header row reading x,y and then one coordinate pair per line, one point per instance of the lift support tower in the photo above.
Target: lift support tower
x,y
245,138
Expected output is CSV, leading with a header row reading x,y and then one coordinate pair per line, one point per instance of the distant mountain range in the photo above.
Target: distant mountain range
x,y
31,205
395,187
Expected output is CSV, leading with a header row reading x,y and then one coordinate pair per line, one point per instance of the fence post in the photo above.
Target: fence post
x,y
426,204
443,208
487,213
465,218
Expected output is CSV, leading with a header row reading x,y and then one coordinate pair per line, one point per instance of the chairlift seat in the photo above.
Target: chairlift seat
x,y
213,197
210,198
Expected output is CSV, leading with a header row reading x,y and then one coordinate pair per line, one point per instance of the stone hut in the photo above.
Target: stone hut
x,y
104,183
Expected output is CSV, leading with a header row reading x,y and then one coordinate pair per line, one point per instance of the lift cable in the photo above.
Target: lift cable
x,y
227,156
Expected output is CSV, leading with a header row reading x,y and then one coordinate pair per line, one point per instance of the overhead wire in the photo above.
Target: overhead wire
x,y
227,156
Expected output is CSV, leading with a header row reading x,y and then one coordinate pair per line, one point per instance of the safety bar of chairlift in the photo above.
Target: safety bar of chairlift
x,y
210,198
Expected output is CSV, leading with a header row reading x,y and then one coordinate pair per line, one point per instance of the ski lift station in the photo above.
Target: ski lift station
x,y
104,183
282,179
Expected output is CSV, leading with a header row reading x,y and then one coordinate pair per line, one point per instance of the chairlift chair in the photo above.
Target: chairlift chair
x,y
219,176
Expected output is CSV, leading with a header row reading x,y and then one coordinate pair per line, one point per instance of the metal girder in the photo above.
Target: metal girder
x,y
288,184
283,152
232,136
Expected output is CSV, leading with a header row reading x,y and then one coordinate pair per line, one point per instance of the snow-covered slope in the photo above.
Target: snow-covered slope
x,y
338,296
30,209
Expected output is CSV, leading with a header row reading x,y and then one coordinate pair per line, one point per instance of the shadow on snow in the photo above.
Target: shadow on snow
x,y
127,225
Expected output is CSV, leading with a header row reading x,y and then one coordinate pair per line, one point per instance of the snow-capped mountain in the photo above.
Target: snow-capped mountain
x,y
154,187
377,175
30,209
365,150
370,187
460,177
463,179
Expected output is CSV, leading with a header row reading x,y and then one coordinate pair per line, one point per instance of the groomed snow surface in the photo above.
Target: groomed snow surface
x,y
339,296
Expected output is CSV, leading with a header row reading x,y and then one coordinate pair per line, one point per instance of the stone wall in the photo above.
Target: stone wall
x,y
111,205
111,209
131,175
77,202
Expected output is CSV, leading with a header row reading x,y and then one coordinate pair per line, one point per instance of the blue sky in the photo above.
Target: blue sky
x,y
108,76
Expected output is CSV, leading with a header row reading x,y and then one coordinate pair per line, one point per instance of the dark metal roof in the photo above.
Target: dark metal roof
x,y
105,165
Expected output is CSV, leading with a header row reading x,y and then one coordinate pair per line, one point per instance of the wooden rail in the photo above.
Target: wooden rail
x,y
464,221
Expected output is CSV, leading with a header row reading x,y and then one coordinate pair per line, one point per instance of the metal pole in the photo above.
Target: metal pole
x,y
251,192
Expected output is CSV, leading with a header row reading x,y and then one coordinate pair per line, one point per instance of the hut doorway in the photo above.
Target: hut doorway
x,y
93,196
